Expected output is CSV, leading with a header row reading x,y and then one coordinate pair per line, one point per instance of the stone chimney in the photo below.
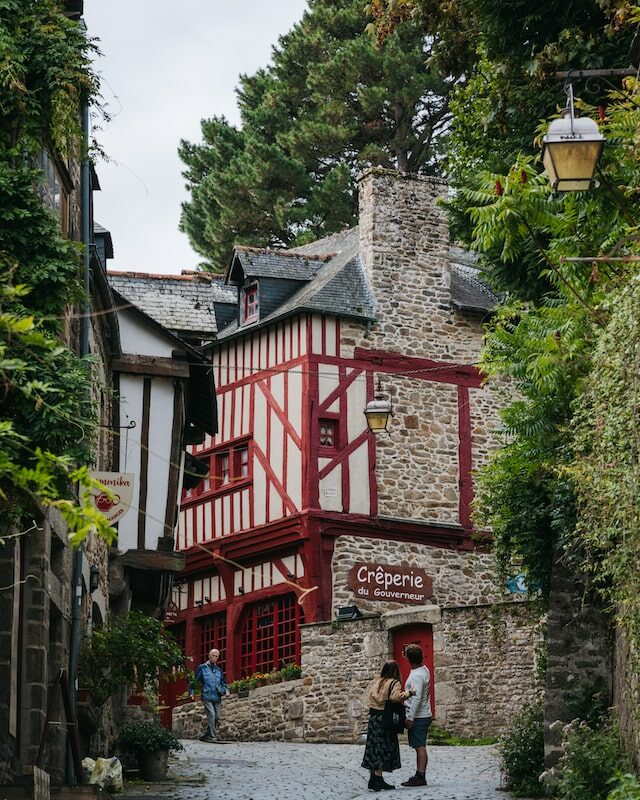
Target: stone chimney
x,y
404,244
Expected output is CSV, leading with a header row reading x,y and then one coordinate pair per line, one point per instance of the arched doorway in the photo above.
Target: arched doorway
x,y
421,634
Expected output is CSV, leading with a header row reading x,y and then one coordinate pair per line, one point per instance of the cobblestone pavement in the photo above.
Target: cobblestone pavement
x,y
283,771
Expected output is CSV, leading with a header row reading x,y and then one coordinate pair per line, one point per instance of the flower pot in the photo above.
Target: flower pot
x,y
137,700
153,766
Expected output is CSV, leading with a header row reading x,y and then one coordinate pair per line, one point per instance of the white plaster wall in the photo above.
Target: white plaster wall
x,y
136,337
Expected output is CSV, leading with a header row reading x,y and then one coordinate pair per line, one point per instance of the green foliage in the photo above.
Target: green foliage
x,y
522,752
130,650
607,466
438,736
48,417
287,673
590,762
331,102
627,788
589,702
45,74
147,736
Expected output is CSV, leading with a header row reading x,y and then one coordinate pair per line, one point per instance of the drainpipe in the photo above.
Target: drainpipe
x,y
78,556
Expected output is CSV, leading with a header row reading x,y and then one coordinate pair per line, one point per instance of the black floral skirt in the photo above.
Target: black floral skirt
x,y
382,750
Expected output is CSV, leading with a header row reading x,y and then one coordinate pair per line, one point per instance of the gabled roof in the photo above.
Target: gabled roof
x,y
255,262
468,292
181,303
338,284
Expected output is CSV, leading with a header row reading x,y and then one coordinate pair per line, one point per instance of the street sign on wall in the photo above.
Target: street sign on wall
x,y
115,503
385,582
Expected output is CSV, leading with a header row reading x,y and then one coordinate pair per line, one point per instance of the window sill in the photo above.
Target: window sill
x,y
228,488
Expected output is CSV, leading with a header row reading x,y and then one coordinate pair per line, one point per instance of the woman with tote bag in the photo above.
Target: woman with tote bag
x,y
382,752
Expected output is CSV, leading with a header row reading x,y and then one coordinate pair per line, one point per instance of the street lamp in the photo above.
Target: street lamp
x,y
571,150
378,413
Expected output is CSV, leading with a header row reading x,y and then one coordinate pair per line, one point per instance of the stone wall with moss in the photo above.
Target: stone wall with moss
x,y
484,674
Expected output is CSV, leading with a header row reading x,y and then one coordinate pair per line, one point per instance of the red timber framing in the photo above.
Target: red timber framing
x,y
272,400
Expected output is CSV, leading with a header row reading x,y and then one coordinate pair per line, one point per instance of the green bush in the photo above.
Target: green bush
x,y
589,701
147,737
522,752
591,759
628,788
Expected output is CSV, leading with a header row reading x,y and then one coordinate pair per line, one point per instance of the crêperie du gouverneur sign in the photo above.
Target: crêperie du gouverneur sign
x,y
384,582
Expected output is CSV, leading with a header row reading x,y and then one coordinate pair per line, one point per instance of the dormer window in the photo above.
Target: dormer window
x,y
249,304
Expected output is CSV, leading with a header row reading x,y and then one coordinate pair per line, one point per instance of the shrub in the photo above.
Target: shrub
x,y
130,650
591,759
589,702
147,737
522,752
628,788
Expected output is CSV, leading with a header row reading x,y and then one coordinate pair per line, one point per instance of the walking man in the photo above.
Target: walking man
x,y
418,708
214,687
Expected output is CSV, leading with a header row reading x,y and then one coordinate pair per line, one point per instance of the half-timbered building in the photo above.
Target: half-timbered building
x,y
309,528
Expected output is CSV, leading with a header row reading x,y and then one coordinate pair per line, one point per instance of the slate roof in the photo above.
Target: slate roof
x,y
269,263
336,283
181,303
468,292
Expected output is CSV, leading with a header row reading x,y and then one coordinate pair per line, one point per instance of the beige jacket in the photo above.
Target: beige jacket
x,y
379,693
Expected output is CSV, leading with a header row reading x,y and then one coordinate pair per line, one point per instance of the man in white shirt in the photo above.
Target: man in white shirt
x,y
418,707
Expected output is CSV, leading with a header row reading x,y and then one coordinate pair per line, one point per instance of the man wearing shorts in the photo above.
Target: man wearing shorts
x,y
418,707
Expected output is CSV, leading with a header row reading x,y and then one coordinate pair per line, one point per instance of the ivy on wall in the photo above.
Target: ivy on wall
x,y
46,416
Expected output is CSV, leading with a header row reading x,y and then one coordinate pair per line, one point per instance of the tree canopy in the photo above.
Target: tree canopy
x,y
331,102
48,417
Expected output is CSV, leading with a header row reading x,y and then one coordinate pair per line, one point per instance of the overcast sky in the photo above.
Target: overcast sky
x,y
166,66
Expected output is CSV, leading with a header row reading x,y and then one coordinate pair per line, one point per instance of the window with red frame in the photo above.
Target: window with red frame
x,y
212,634
231,466
329,433
271,635
250,303
241,459
222,468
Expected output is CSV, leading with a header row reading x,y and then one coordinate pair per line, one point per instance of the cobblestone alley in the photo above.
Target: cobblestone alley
x,y
281,771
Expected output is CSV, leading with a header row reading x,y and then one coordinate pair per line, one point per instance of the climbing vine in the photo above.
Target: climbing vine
x,y
606,470
46,415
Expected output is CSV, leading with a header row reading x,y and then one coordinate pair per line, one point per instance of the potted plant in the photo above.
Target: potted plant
x,y
150,743
130,650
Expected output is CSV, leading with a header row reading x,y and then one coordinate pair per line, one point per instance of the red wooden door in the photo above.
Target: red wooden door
x,y
423,636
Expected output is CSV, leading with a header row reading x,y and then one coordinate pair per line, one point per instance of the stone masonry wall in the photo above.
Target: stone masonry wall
x,y
625,696
404,245
579,650
484,675
484,664
459,578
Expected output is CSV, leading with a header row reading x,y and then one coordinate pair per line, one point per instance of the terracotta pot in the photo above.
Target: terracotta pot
x,y
153,766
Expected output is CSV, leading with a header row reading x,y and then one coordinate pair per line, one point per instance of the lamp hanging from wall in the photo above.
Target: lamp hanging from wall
x,y
379,412
571,150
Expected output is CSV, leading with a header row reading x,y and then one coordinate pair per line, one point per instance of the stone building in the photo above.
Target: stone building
x,y
307,518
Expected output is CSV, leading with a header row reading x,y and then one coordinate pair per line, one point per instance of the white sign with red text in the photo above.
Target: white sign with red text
x,y
113,505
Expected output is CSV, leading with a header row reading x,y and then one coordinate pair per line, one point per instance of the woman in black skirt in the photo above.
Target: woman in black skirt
x,y
382,752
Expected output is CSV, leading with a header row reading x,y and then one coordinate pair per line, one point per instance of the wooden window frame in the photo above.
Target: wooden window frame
x,y
334,420
249,304
266,646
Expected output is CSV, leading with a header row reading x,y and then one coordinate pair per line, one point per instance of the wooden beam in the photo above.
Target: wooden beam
x,y
151,365
153,560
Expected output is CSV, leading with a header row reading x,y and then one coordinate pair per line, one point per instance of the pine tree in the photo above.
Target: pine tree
x,y
332,102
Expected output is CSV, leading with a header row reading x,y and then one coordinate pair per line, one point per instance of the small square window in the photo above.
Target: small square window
x,y
329,433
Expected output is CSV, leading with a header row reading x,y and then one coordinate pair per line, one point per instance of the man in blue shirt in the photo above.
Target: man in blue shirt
x,y
214,687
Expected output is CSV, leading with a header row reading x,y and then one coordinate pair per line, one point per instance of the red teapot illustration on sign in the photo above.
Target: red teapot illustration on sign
x,y
105,503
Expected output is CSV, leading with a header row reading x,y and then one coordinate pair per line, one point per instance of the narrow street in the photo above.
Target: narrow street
x,y
281,771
